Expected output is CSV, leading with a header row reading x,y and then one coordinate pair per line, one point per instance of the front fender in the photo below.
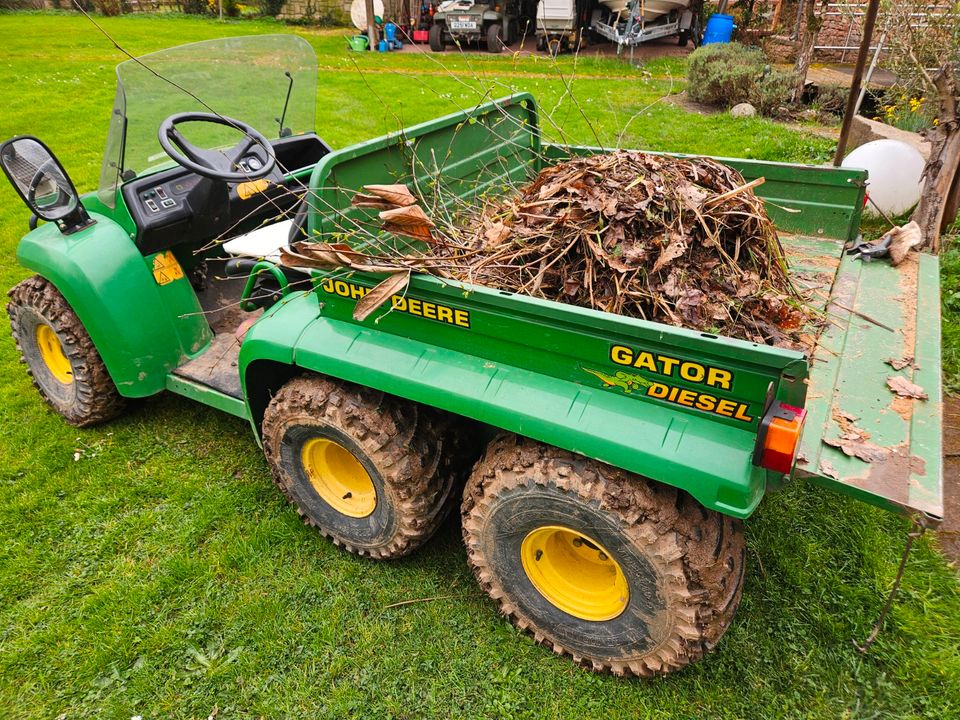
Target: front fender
x,y
141,329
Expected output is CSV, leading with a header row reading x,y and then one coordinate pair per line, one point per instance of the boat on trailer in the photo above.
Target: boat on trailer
x,y
631,22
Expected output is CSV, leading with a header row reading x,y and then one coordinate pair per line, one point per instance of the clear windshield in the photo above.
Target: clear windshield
x,y
241,77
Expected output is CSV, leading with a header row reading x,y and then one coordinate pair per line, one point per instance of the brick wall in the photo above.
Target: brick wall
x,y
842,26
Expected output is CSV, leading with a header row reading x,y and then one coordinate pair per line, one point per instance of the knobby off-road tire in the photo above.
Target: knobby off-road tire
x,y
412,472
682,565
60,356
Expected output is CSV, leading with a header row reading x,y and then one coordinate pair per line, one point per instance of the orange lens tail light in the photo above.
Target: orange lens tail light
x,y
779,437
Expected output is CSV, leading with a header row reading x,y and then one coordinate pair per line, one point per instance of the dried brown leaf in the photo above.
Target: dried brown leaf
x,y
496,233
396,195
327,256
901,363
410,221
379,294
904,388
361,200
669,252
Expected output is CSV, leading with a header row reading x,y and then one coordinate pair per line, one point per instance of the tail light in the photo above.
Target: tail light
x,y
778,438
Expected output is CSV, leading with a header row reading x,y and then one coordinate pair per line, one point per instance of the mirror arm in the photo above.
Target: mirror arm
x,y
76,221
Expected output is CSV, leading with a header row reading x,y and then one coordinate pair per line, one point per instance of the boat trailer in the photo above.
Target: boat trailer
x,y
627,27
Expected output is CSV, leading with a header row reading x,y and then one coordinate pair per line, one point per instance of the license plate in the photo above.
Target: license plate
x,y
463,25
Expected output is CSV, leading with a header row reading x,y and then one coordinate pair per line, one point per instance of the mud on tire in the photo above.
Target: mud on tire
x,y
683,565
84,394
407,451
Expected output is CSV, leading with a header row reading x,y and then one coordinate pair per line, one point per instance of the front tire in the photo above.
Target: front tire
x,y
495,38
374,474
60,356
436,38
622,574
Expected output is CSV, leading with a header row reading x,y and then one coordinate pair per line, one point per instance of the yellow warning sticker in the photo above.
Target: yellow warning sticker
x,y
166,269
249,189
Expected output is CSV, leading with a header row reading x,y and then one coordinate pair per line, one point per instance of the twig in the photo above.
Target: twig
x,y
420,600
916,532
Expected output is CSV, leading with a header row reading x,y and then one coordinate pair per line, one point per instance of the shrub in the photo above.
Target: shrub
x,y
724,74
195,7
830,99
271,8
231,8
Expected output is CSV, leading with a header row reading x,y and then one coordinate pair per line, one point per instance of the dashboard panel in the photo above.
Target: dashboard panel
x,y
176,206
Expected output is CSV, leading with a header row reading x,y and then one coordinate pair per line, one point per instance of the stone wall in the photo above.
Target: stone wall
x,y
394,10
315,9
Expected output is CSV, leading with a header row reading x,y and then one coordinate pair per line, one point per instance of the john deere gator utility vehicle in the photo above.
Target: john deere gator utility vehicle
x,y
604,514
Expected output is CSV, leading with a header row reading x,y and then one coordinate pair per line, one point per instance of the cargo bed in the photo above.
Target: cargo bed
x,y
548,371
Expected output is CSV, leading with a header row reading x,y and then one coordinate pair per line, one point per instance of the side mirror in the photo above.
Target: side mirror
x,y
42,183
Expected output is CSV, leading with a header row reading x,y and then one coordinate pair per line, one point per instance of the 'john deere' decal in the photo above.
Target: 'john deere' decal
x,y
400,303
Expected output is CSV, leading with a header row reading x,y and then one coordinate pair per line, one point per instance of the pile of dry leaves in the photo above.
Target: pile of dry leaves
x,y
679,241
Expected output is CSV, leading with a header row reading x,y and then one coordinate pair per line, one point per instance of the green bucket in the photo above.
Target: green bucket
x,y
358,43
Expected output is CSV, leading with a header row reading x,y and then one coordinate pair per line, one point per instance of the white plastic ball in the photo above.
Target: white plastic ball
x,y
894,181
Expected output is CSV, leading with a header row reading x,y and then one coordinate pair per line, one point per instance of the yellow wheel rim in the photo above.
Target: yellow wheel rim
x,y
51,350
338,477
575,573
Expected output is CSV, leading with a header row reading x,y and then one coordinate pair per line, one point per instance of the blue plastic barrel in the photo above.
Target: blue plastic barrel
x,y
390,31
719,29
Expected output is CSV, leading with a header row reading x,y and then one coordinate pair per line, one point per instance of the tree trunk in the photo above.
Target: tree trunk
x,y
809,30
952,205
940,172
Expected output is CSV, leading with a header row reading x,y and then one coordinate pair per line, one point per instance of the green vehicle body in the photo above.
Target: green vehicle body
x,y
563,375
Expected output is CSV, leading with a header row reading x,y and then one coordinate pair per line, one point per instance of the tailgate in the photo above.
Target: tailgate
x,y
861,437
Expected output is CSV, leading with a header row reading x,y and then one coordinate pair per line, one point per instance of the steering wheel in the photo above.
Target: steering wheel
x,y
217,164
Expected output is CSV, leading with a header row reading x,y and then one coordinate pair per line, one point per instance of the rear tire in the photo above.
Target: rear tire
x,y
60,356
683,37
495,38
374,474
436,38
622,574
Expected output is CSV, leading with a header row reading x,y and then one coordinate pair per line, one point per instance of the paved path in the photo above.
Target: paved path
x,y
842,76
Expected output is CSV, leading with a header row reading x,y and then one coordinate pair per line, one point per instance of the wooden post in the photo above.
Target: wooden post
x,y
371,25
868,24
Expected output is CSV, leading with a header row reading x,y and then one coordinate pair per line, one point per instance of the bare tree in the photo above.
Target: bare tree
x,y
924,43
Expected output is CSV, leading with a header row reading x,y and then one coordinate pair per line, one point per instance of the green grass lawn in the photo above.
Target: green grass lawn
x,y
149,567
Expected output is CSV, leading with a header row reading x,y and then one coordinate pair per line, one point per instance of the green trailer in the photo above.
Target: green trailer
x,y
603,465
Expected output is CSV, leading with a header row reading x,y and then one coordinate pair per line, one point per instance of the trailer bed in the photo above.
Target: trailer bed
x,y
862,438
